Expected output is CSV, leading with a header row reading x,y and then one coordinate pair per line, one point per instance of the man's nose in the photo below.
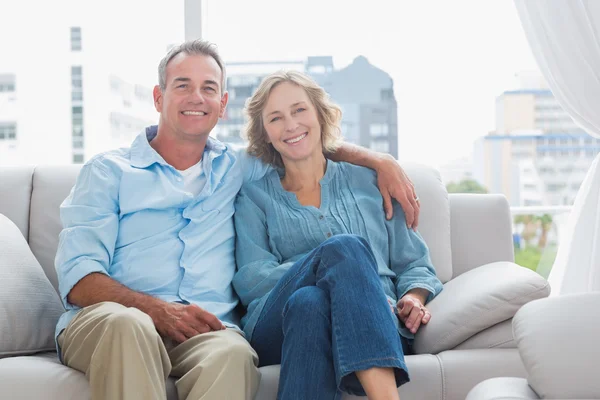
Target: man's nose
x,y
197,96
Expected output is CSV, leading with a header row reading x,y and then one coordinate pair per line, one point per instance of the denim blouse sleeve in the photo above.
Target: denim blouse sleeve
x,y
409,258
90,219
258,269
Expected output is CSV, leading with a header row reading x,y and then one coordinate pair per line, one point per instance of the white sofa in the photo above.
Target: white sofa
x,y
558,342
468,340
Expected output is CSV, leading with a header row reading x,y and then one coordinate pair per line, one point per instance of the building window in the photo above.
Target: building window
x,y
8,131
76,95
387,94
78,142
75,38
7,87
378,130
235,113
7,83
76,77
380,146
77,158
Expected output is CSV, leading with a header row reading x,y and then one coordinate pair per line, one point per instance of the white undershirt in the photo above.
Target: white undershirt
x,y
193,179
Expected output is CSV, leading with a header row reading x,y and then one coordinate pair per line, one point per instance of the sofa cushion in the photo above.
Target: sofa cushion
x,y
481,230
499,336
51,185
15,195
434,218
29,306
477,300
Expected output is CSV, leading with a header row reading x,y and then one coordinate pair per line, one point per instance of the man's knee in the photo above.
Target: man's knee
x,y
128,321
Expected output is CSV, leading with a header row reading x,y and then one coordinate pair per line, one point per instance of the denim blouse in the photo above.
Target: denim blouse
x,y
273,230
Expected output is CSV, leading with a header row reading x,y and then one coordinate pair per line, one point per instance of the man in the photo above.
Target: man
x,y
146,256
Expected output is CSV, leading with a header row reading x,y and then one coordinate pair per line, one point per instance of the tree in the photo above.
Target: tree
x,y
466,186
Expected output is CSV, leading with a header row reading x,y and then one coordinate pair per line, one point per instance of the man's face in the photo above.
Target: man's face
x,y
193,99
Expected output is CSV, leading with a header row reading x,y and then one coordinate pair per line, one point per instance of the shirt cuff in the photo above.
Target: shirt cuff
x,y
76,273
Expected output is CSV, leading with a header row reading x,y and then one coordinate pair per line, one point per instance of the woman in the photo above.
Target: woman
x,y
320,269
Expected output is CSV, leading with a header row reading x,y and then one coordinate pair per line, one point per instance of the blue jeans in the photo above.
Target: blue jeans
x,y
327,318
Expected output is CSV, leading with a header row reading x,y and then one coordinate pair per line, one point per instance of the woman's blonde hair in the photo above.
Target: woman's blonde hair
x,y
328,114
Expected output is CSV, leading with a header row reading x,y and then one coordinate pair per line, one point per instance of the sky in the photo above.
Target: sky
x,y
449,59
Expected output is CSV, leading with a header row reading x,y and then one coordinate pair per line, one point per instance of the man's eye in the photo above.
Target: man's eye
x,y
183,85
210,89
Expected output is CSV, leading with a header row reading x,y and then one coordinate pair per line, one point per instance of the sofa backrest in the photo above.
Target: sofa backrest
x,y
31,198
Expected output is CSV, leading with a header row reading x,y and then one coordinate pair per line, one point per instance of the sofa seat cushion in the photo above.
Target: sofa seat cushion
x,y
475,301
29,306
447,376
42,376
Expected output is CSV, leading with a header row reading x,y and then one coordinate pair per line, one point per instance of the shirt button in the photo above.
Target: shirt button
x,y
321,217
178,179
328,234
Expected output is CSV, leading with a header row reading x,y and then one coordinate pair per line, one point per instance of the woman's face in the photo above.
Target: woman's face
x,y
291,123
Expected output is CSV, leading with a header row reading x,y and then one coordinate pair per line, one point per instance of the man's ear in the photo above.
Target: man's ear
x,y
224,100
158,97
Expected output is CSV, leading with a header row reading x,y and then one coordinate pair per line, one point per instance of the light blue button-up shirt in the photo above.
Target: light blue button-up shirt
x,y
129,217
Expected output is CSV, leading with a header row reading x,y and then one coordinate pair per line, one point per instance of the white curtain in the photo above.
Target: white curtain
x,y
564,36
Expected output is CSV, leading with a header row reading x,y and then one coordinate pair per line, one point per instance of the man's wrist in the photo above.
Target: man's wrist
x,y
152,306
382,160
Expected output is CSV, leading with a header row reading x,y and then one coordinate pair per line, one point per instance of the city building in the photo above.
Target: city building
x,y
63,104
537,155
364,92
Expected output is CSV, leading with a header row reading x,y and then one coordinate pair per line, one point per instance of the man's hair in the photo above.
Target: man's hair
x,y
192,47
328,114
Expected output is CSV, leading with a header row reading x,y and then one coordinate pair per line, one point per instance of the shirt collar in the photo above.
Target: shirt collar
x,y
143,155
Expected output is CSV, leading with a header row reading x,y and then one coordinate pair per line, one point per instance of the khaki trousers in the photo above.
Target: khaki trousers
x,y
124,357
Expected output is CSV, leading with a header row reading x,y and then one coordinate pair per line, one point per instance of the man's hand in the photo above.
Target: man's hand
x,y
181,321
411,310
393,182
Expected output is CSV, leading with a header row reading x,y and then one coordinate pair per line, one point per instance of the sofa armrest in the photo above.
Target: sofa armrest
x,y
502,389
477,300
481,231
558,343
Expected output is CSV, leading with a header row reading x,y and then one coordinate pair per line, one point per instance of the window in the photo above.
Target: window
x,y
76,77
235,113
76,95
75,38
378,130
77,142
7,83
381,146
8,131
77,158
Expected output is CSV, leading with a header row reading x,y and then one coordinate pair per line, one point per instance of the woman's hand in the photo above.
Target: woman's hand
x,y
393,182
411,310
